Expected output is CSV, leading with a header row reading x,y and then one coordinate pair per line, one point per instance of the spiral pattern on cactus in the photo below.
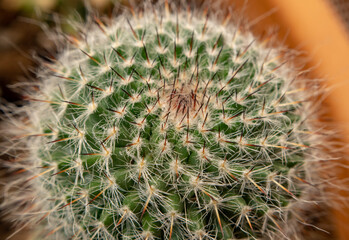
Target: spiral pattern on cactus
x,y
164,125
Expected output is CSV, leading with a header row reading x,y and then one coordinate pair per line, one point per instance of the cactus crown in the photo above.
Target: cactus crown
x,y
164,125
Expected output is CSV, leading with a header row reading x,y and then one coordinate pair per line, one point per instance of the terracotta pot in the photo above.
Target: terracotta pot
x,y
313,27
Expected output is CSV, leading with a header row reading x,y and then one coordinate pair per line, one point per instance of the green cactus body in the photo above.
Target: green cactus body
x,y
165,126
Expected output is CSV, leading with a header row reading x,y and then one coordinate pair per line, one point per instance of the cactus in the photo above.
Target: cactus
x,y
162,125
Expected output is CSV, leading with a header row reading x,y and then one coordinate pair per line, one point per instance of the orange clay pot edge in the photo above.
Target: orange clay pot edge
x,y
315,24
313,27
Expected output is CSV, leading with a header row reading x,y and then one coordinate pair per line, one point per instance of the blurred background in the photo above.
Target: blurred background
x,y
319,29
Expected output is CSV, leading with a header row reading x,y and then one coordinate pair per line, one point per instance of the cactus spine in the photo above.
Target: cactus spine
x,y
163,125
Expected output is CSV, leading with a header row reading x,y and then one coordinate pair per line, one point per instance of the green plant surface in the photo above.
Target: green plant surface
x,y
164,125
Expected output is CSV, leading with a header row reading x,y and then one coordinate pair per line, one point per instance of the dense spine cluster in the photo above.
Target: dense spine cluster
x,y
164,125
